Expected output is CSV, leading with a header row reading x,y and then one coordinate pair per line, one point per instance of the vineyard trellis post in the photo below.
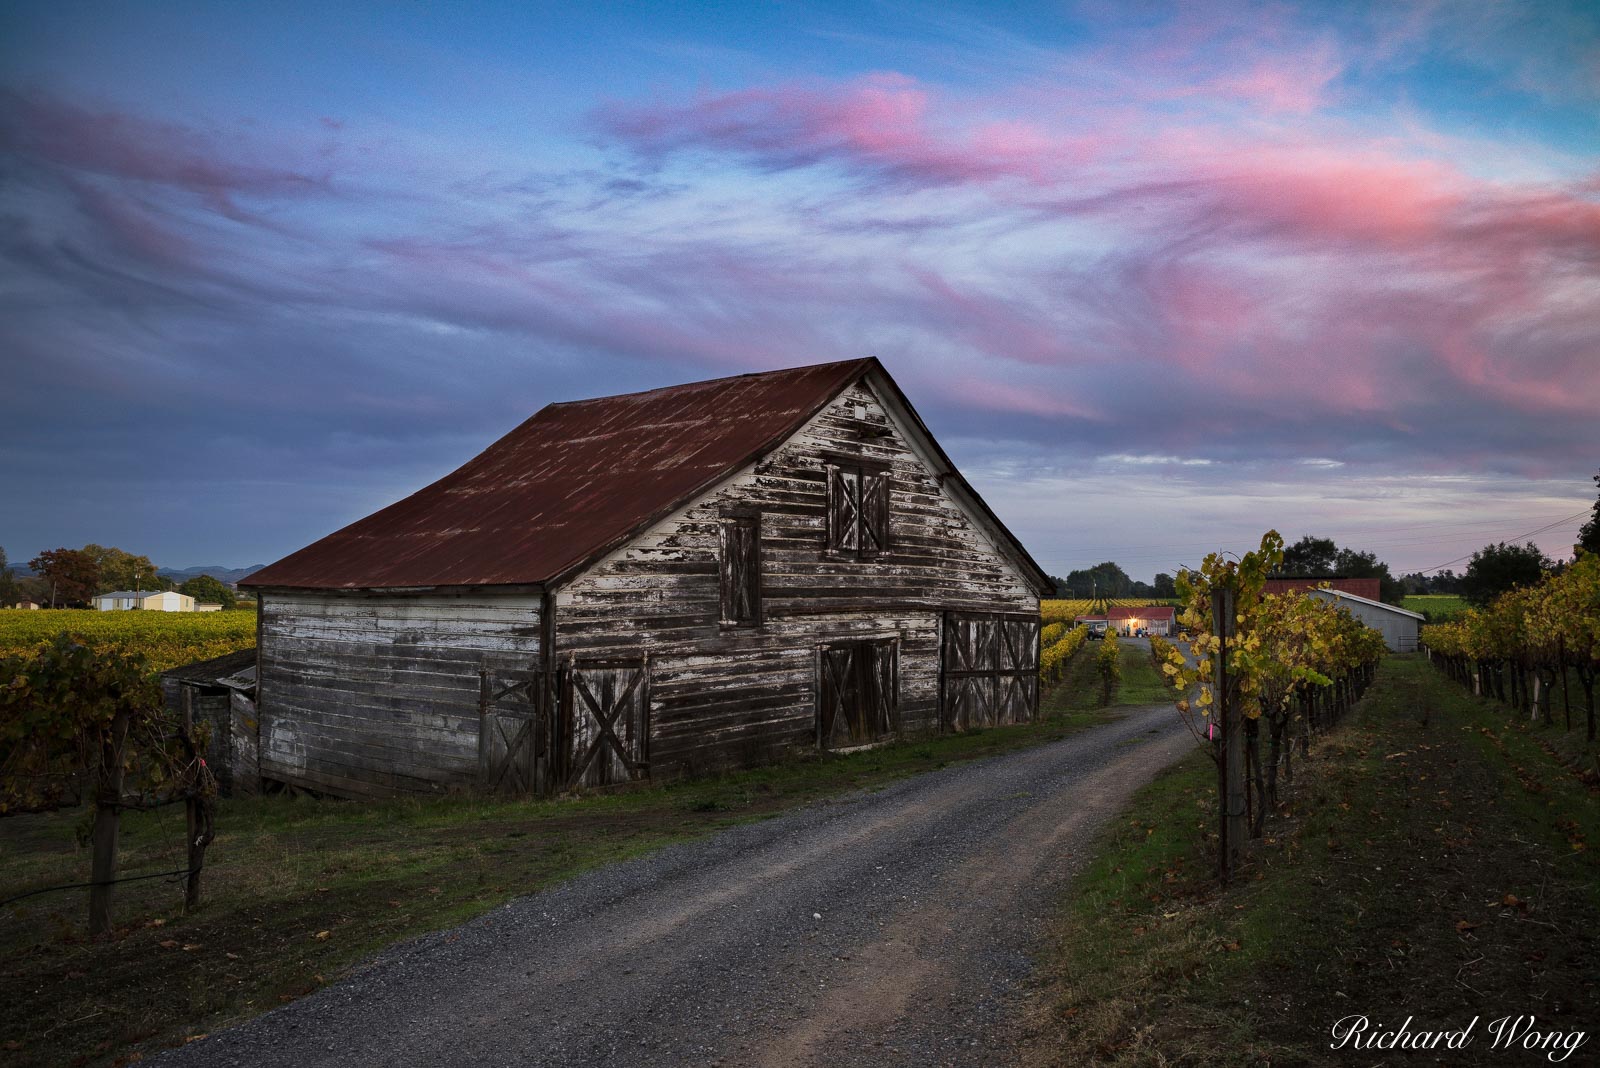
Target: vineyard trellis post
x,y
1231,769
107,813
198,807
1566,699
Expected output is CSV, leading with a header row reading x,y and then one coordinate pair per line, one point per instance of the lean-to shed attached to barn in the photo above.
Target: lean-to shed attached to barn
x,y
653,584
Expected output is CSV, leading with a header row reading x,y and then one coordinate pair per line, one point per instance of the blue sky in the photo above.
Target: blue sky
x,y
1158,276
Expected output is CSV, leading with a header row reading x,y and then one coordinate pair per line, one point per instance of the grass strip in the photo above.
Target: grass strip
x,y
1433,861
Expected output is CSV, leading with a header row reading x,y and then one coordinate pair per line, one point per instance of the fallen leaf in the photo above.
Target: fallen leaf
x,y
233,956
190,947
156,923
322,936
170,943
1464,926
196,1038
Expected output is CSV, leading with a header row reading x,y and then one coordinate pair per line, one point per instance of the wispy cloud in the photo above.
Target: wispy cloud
x,y
1194,249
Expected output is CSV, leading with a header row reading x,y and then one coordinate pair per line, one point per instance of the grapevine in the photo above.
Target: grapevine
x,y
1515,648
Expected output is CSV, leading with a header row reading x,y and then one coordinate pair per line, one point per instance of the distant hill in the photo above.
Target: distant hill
x,y
176,574
216,571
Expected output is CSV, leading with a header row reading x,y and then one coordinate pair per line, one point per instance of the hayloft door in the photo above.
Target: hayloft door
x,y
857,693
605,722
989,670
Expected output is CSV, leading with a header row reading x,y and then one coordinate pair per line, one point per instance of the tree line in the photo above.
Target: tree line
x,y
70,578
1490,572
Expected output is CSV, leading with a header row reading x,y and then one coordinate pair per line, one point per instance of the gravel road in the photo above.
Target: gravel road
x,y
875,929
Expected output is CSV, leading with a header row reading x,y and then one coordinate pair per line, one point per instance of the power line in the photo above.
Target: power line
x,y
1457,528
1165,558
1517,537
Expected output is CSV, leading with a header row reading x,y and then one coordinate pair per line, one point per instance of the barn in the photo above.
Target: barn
x,y
652,585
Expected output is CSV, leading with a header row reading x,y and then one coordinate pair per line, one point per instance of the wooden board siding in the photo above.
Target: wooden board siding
x,y
728,695
367,695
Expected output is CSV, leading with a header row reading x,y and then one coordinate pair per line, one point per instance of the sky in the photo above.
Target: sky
x,y
1159,277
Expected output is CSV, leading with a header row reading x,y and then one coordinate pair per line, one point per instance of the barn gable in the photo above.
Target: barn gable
x,y
724,693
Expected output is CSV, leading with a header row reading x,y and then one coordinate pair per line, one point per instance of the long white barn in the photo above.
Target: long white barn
x,y
1400,628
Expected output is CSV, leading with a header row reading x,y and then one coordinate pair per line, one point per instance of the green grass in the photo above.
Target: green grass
x,y
1438,607
298,890
1433,860
1141,683
1081,690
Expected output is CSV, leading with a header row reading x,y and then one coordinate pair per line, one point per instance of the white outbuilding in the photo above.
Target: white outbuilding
x,y
1400,628
123,600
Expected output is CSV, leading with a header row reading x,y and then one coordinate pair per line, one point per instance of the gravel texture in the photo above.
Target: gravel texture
x,y
879,928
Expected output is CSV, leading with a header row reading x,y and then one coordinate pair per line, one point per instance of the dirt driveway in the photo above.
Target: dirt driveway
x,y
876,929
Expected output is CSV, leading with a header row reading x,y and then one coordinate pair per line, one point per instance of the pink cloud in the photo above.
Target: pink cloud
x,y
1298,85
972,391
124,146
884,122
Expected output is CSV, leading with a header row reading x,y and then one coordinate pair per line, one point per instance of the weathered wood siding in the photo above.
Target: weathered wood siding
x,y
365,695
725,695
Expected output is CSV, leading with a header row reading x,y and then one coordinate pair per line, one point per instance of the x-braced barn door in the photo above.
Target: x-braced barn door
x,y
857,688
605,712
990,670
515,732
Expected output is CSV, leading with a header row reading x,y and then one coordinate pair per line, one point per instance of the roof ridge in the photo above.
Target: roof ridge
x,y
865,361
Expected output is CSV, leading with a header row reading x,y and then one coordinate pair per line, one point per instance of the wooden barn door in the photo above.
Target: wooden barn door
x,y
857,693
989,670
605,714
1018,669
515,729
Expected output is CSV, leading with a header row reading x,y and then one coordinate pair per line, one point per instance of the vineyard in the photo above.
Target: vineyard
x,y
165,639
1065,611
1292,662
1057,643
1521,647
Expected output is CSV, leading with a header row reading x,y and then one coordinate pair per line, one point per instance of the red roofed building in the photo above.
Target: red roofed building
x,y
1153,619
1158,619
1369,588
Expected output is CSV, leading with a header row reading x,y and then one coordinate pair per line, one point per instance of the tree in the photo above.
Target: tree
x,y
1322,556
10,592
1352,564
72,575
120,570
1164,586
1101,580
1446,581
206,588
1589,534
1309,556
1497,568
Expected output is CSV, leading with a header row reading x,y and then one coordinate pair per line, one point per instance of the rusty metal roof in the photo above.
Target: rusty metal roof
x,y
568,485
580,478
